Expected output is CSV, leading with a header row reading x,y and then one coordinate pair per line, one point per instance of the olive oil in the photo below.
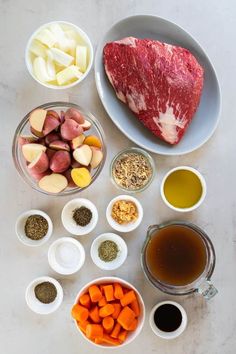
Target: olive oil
x,y
183,189
176,255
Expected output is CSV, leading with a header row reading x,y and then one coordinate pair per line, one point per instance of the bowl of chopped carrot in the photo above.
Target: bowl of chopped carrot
x,y
109,312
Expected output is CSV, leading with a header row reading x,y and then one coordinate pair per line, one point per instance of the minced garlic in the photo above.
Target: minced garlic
x,y
124,211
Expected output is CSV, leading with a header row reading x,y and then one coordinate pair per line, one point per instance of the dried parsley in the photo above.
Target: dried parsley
x,y
45,292
36,227
82,216
108,251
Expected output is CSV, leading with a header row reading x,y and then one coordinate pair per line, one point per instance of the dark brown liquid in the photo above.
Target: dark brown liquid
x,y
167,317
176,255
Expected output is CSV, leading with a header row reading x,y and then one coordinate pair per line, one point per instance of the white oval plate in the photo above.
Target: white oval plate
x,y
207,116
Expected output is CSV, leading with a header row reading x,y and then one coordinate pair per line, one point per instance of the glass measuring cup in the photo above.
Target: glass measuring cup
x,y
202,284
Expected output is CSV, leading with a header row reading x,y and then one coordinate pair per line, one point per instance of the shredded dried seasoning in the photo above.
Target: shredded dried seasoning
x,y
36,227
45,292
132,171
82,216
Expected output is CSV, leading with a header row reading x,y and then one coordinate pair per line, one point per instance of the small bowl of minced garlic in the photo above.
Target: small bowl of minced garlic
x,y
124,213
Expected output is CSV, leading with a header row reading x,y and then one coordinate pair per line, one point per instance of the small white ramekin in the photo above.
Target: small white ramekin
x,y
203,183
67,216
38,307
53,260
168,335
20,228
121,256
129,226
81,33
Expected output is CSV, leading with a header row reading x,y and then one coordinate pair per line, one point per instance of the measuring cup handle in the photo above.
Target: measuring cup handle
x,y
152,228
207,290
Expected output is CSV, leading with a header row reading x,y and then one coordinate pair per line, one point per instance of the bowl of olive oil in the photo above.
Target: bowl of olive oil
x,y
183,189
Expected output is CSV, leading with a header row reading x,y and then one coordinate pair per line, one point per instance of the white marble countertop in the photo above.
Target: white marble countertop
x,y
211,328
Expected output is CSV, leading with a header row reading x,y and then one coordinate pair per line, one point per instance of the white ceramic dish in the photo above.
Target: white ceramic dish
x,y
66,261
38,307
168,335
20,228
85,40
67,219
121,256
201,179
129,226
141,318
207,116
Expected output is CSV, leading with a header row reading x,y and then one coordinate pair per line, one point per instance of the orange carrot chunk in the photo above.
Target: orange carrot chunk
x,y
94,331
122,336
128,298
118,291
83,325
85,300
79,313
102,302
108,323
94,315
126,317
135,307
106,310
95,293
109,340
117,309
133,325
109,292
116,330
98,340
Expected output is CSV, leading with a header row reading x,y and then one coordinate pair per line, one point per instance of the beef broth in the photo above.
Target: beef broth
x,y
176,255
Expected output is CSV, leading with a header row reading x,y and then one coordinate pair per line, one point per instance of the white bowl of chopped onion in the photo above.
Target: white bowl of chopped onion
x,y
124,213
59,55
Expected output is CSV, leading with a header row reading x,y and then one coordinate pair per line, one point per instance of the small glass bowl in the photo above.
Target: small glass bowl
x,y
137,151
24,129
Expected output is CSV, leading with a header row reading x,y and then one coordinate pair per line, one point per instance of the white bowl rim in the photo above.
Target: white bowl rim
x,y
126,283
38,281
87,40
82,230
126,227
201,179
61,240
23,238
116,264
178,331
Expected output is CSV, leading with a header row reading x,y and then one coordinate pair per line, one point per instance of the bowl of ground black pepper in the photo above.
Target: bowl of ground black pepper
x,y
108,251
132,170
79,216
44,295
34,227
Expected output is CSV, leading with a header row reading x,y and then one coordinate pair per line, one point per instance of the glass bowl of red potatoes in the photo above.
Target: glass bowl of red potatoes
x,y
109,312
59,148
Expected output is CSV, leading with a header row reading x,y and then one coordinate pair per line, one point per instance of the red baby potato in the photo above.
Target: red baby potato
x,y
31,151
76,142
60,161
70,129
83,155
37,119
97,157
62,116
51,123
40,164
51,137
50,153
25,139
74,114
53,183
38,176
86,125
50,112
75,164
59,145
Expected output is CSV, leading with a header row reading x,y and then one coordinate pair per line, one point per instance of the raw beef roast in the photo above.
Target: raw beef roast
x,y
160,83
